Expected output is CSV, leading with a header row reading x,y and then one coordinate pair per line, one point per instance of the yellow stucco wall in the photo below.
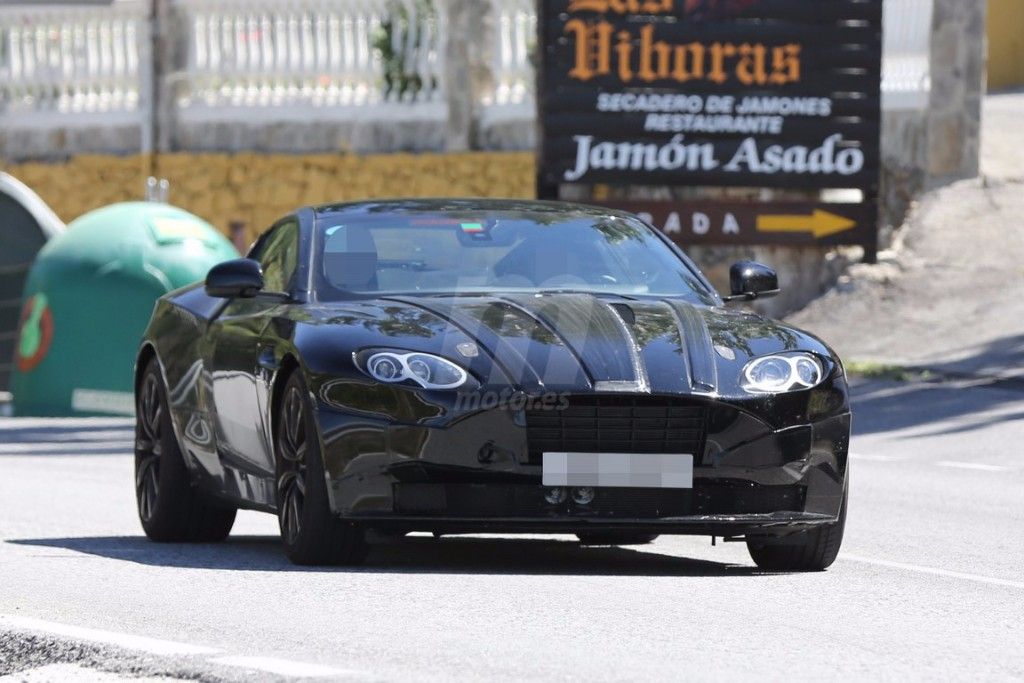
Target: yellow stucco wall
x,y
1005,43
259,188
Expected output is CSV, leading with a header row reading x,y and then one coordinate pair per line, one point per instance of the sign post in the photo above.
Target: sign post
x,y
781,94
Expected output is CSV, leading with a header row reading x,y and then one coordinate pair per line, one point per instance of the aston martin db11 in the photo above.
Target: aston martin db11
x,y
461,366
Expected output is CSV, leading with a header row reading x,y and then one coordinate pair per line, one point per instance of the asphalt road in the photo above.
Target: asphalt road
x,y
929,584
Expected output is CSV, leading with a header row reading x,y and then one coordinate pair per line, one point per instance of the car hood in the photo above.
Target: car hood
x,y
567,341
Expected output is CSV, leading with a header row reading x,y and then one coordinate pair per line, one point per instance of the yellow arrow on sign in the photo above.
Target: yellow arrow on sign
x,y
820,223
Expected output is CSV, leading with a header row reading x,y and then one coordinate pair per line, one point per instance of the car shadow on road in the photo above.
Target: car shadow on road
x,y
930,409
937,408
413,555
984,388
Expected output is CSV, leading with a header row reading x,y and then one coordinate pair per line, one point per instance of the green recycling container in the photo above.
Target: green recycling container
x,y
88,297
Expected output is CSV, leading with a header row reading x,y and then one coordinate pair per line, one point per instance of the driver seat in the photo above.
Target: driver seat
x,y
350,258
535,260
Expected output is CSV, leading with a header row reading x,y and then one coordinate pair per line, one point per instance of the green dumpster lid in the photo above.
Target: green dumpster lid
x,y
89,296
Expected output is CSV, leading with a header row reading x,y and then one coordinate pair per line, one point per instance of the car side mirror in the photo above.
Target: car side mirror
x,y
749,280
239,278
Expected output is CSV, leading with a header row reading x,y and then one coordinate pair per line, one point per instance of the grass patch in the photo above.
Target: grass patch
x,y
894,373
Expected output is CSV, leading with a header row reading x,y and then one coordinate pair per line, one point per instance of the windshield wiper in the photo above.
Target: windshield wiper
x,y
498,292
586,291
403,265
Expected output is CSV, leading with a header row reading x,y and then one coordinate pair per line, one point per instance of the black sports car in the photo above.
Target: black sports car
x,y
457,366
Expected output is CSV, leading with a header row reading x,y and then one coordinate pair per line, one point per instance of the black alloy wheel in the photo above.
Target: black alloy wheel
x,y
807,551
311,532
148,447
170,508
291,478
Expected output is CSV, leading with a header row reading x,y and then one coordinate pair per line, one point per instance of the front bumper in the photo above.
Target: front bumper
x,y
774,524
711,507
478,473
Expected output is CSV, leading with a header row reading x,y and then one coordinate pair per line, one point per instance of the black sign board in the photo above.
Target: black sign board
x,y
792,223
713,93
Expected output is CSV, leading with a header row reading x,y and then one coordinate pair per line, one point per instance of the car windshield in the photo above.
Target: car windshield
x,y
468,252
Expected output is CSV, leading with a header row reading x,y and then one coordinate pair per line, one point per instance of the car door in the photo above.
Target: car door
x,y
236,376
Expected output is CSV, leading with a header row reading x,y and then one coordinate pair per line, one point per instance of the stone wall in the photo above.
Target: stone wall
x,y
256,189
85,182
904,159
958,84
57,143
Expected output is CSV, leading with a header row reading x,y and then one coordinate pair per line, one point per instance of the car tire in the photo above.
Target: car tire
x,y
615,538
170,508
809,551
311,533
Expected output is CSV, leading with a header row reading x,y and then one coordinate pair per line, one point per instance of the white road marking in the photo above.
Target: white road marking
x,y
151,645
978,578
283,667
980,466
871,457
41,436
74,672
60,447
63,422
156,646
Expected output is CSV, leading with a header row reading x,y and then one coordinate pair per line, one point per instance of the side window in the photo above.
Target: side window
x,y
279,256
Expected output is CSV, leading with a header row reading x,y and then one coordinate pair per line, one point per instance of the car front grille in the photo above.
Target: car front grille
x,y
617,424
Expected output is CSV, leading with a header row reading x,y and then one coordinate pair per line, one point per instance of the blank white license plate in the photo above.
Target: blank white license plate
x,y
640,470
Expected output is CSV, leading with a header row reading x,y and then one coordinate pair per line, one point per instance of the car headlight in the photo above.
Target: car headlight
x,y
429,371
777,374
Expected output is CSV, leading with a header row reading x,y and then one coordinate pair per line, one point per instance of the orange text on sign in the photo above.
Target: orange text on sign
x,y
601,51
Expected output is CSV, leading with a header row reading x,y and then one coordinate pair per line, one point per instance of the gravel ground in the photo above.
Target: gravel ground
x,y
30,657
950,295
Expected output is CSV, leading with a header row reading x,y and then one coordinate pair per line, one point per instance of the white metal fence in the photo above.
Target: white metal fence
x,y
72,65
906,80
512,65
306,59
297,58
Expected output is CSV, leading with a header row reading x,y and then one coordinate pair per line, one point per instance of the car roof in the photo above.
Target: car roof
x,y
441,205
